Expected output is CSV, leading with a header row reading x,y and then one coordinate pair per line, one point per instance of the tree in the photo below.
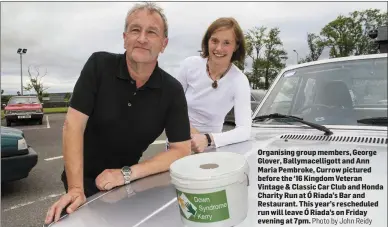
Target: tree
x,y
240,65
255,75
348,35
367,20
2,91
36,82
339,36
273,56
266,51
315,45
254,42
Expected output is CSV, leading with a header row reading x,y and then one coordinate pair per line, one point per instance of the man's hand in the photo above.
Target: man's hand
x,y
198,142
109,179
75,197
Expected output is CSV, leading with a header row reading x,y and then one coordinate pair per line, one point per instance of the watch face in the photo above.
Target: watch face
x,y
126,169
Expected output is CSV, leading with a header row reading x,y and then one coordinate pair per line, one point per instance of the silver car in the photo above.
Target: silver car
x,y
317,156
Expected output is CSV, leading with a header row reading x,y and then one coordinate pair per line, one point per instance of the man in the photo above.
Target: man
x,y
120,105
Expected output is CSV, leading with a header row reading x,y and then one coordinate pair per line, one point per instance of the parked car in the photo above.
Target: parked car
x,y
17,157
256,97
22,108
307,108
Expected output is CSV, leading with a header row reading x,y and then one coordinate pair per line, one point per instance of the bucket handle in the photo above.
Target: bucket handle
x,y
247,179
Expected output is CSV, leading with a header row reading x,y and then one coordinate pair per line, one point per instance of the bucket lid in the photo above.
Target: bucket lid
x,y
206,166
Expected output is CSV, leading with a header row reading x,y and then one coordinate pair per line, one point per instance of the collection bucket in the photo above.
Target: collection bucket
x,y
212,189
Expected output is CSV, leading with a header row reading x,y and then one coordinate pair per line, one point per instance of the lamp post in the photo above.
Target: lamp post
x,y
21,52
297,57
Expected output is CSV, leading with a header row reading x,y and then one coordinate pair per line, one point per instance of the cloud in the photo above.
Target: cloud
x,y
60,36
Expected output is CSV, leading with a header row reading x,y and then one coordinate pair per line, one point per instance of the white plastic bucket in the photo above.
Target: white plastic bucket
x,y
212,189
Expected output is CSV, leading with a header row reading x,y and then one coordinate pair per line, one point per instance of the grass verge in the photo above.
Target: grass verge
x,y
55,110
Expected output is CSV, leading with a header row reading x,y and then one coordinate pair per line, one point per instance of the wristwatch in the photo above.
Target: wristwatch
x,y
126,171
209,140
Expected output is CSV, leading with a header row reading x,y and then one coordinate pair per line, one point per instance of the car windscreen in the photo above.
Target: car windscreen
x,y
23,100
258,94
338,93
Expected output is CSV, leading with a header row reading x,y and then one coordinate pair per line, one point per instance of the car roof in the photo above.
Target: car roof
x,y
158,198
332,60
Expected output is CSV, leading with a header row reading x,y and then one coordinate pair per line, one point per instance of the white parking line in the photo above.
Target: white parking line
x,y
31,202
53,158
48,123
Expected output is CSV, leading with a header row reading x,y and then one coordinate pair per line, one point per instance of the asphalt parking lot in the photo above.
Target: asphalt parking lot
x,y
25,202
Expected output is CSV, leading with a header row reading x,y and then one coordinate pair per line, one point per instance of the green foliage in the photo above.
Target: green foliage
x,y
36,83
315,45
5,99
348,35
240,65
266,51
67,97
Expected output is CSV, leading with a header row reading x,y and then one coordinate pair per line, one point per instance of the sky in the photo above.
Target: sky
x,y
60,36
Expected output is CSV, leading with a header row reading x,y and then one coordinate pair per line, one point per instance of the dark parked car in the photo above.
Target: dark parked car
x,y
21,108
256,97
17,158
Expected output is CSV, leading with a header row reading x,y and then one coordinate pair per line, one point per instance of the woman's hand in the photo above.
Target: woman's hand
x,y
198,142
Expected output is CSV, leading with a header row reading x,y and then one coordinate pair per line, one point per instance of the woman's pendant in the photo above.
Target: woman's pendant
x,y
214,84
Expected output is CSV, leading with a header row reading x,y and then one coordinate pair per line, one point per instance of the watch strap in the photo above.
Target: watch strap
x,y
126,171
209,140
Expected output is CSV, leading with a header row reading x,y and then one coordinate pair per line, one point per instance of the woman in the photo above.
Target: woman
x,y
213,85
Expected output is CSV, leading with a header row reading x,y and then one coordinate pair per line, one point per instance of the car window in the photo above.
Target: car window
x,y
309,91
23,100
332,93
282,99
369,92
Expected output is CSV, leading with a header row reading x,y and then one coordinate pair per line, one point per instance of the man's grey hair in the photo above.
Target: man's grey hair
x,y
153,8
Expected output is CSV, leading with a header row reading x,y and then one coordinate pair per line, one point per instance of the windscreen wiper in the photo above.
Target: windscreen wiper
x,y
298,119
374,121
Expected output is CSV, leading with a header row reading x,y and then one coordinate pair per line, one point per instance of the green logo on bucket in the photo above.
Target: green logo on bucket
x,y
205,208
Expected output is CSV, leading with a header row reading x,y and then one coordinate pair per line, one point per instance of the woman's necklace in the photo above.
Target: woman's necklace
x,y
215,84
